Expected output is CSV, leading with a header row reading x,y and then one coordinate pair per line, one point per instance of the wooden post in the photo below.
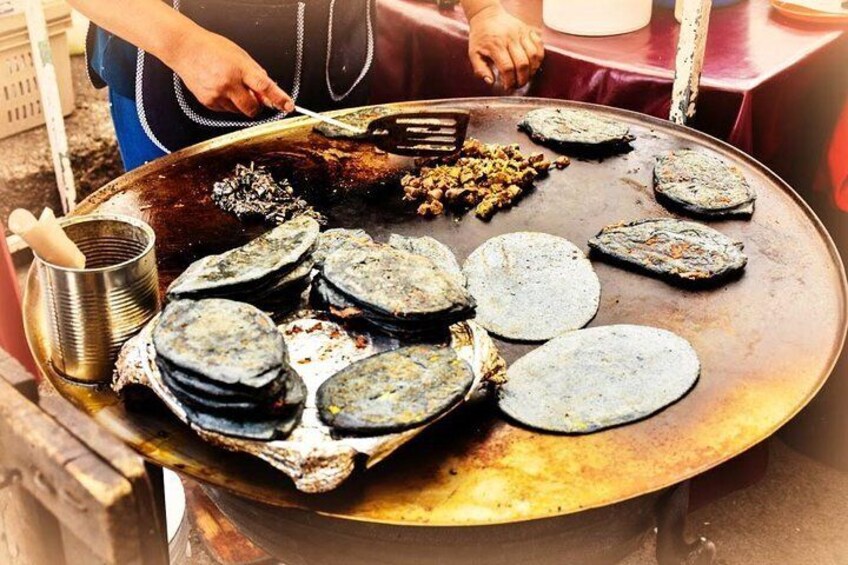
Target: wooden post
x,y
51,103
691,45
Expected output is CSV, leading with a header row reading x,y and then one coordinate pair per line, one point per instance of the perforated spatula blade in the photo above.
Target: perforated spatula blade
x,y
431,133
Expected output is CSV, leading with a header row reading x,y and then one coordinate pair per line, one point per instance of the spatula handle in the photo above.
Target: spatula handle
x,y
328,120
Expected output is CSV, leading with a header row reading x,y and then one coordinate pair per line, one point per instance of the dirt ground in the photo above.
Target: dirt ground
x,y
26,169
797,514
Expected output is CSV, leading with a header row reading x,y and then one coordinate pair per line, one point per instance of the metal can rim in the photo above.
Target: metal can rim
x,y
135,222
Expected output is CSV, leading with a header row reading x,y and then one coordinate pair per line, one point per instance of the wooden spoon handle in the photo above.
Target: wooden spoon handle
x,y
46,238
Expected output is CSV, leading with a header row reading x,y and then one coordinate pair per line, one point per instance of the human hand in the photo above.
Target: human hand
x,y
499,39
223,77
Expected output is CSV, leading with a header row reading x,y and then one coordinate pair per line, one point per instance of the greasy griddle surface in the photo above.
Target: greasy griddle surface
x,y
766,342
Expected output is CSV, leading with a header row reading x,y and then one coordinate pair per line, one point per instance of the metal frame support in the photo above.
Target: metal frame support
x,y
689,63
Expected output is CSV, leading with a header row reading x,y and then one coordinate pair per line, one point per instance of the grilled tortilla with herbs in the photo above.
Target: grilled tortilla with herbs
x,y
334,239
702,185
228,342
394,391
676,250
396,283
226,363
434,250
256,265
399,293
573,130
357,118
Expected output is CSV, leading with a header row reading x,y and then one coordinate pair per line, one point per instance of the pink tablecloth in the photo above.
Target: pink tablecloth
x,y
772,87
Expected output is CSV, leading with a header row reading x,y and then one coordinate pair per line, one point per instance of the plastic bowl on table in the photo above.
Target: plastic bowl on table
x,y
597,17
716,3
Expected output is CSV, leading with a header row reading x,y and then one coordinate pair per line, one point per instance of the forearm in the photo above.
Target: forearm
x,y
149,24
474,7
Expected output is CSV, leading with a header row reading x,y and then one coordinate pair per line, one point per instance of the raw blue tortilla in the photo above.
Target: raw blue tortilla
x,y
593,379
532,286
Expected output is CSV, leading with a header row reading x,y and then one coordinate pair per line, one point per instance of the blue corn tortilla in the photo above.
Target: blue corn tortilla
x,y
227,342
675,250
532,286
254,266
198,385
434,250
356,118
394,391
574,130
395,283
702,185
593,379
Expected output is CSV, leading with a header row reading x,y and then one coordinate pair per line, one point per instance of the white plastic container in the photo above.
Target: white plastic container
x,y
597,17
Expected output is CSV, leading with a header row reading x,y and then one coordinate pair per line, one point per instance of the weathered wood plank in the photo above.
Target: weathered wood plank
x,y
16,375
75,551
86,495
139,521
29,534
149,517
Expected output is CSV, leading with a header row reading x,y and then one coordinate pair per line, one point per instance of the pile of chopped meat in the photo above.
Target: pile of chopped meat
x,y
252,192
487,177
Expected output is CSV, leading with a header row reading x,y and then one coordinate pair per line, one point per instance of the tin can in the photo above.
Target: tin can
x,y
93,311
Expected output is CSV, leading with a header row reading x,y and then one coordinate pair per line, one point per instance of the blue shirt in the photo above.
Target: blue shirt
x,y
112,61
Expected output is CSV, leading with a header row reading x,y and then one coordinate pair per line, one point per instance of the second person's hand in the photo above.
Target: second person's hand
x,y
500,40
223,77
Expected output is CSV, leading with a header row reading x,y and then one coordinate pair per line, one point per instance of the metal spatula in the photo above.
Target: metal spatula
x,y
431,133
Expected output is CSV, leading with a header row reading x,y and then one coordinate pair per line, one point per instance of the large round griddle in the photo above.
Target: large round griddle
x,y
767,342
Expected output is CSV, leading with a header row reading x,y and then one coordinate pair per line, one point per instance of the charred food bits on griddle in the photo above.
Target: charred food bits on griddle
x,y
253,193
676,250
227,365
702,185
487,177
394,391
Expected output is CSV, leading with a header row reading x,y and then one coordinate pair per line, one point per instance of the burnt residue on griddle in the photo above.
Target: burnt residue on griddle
x,y
252,192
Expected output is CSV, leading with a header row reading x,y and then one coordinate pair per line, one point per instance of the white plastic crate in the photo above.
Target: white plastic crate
x,y
20,102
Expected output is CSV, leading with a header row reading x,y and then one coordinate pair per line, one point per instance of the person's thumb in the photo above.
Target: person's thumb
x,y
268,92
481,68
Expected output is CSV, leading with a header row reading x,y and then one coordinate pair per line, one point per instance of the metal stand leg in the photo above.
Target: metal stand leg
x,y
672,547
